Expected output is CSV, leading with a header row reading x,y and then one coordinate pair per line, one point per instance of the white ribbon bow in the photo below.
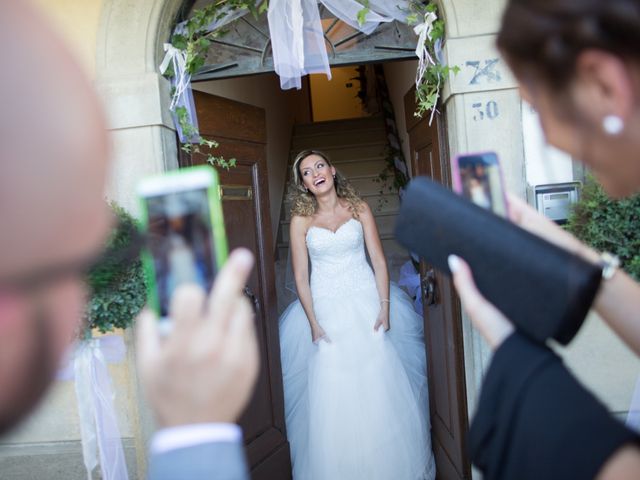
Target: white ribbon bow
x,y
181,79
423,31
98,421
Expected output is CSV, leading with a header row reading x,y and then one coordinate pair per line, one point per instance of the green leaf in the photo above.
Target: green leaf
x,y
204,43
362,16
412,19
179,41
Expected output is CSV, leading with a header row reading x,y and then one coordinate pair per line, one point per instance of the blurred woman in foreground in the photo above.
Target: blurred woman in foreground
x,y
578,64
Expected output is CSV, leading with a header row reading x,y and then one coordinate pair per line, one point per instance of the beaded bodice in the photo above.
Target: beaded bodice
x,y
338,263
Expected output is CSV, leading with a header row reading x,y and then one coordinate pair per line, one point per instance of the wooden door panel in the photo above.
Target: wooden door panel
x,y
241,131
442,320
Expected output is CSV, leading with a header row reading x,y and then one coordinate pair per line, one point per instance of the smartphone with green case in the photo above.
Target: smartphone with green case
x,y
182,219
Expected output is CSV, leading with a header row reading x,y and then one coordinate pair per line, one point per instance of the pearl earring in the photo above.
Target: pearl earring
x,y
613,125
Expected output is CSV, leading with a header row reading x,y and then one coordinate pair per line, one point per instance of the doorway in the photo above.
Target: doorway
x,y
426,149
315,118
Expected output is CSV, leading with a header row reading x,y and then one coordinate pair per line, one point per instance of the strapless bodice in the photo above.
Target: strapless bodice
x,y
338,262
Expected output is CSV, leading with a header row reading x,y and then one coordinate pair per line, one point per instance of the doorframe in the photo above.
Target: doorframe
x,y
129,49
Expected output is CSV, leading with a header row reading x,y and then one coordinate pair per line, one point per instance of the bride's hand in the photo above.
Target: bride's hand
x,y
383,320
317,334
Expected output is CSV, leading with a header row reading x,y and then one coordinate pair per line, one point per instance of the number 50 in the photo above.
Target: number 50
x,y
490,110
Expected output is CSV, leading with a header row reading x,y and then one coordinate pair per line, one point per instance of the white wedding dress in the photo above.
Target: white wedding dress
x,y
355,408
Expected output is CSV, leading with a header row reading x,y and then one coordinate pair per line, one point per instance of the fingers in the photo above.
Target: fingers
x,y
187,307
491,323
323,336
466,287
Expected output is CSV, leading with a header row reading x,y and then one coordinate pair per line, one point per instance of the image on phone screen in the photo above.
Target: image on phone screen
x,y
179,229
481,181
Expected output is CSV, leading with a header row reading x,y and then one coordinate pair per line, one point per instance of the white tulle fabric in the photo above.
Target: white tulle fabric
x,y
297,34
356,408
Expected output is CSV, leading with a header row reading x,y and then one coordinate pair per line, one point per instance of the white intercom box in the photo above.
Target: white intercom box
x,y
555,200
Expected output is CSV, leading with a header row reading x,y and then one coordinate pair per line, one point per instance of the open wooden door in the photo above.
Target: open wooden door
x,y
241,131
442,318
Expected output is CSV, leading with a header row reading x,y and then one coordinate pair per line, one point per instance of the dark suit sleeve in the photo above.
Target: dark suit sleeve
x,y
535,421
215,461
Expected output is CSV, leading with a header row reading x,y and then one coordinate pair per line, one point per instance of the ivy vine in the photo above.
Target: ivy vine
x,y
428,90
194,37
435,75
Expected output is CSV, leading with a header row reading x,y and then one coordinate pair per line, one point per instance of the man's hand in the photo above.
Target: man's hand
x,y
205,369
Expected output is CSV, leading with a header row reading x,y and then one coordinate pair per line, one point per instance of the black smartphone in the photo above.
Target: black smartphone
x,y
478,178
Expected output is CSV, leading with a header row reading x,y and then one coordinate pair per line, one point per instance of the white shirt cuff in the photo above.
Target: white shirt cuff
x,y
185,436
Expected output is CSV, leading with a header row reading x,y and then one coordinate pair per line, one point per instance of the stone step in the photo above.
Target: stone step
x,y
337,126
351,152
383,204
365,184
360,167
326,140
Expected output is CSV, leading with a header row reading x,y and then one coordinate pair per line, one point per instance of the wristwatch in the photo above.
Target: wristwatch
x,y
609,263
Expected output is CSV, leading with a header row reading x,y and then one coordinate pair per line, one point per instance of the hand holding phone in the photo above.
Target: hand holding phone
x,y
205,371
182,216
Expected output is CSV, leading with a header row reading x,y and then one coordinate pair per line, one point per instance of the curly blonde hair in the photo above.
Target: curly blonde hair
x,y
303,202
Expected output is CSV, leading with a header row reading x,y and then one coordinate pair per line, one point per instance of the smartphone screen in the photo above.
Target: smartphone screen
x,y
180,242
180,228
479,179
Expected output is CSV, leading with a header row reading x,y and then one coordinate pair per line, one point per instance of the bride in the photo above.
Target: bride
x,y
352,347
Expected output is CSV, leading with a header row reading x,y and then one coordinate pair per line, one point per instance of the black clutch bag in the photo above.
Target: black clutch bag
x,y
543,289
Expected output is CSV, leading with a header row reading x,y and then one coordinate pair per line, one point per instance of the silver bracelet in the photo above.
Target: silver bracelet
x,y
385,301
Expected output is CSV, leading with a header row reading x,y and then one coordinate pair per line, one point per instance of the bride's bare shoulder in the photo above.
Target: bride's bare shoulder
x,y
300,223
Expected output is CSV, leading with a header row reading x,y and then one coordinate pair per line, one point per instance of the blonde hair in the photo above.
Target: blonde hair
x,y
303,202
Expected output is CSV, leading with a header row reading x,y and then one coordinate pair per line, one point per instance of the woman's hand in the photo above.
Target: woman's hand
x,y
523,215
318,333
491,323
383,319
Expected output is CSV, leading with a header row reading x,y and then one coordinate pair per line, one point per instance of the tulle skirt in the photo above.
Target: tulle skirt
x,y
357,407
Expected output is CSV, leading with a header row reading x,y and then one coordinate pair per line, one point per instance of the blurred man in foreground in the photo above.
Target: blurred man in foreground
x,y
53,217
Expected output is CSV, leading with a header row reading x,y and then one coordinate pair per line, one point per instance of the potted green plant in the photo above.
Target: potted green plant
x,y
608,225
